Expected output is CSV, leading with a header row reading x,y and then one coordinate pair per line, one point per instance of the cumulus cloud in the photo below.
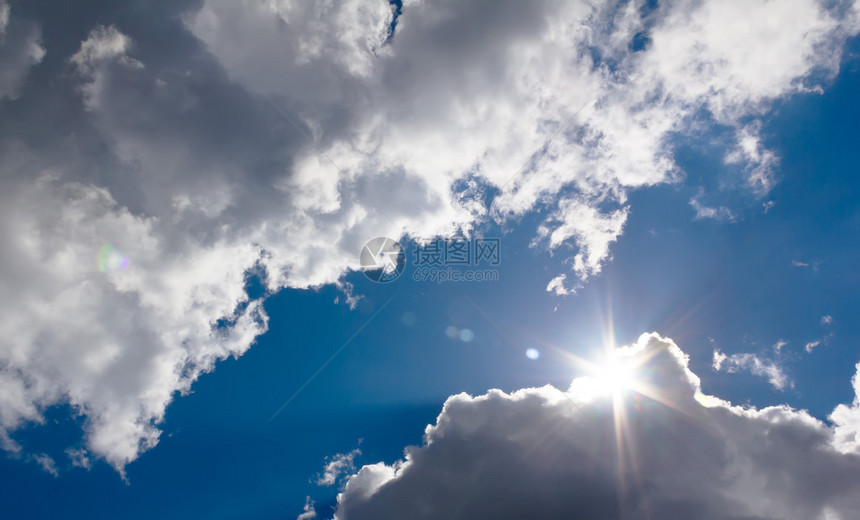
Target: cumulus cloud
x,y
661,449
755,364
847,420
580,118
217,140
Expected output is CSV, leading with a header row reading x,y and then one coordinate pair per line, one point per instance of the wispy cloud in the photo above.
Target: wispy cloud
x,y
777,347
79,458
308,512
707,212
46,463
826,321
755,364
811,345
336,467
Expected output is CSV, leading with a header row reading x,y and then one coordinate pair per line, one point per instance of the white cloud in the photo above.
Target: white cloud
x,y
846,419
760,163
703,211
47,464
754,364
824,340
827,319
777,347
556,285
104,44
544,453
79,458
718,359
297,133
349,298
308,511
592,229
339,465
557,123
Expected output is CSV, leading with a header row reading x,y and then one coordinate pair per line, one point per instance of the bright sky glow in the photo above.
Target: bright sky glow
x,y
615,376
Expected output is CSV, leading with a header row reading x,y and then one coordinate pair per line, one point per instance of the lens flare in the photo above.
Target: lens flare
x,y
110,259
466,335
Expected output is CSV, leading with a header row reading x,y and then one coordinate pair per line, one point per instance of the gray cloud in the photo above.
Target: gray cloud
x,y
20,49
544,453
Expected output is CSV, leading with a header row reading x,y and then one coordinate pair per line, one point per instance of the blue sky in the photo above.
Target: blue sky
x,y
768,266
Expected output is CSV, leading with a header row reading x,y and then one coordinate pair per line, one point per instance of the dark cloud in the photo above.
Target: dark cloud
x,y
541,453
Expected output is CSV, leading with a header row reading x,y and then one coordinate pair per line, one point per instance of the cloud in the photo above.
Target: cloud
x,y
703,211
846,419
760,163
350,299
777,347
551,106
545,453
811,345
556,285
824,340
79,458
308,511
754,364
47,464
826,321
339,465
158,166
4,18
20,49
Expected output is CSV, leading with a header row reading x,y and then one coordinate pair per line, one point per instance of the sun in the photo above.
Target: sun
x,y
615,375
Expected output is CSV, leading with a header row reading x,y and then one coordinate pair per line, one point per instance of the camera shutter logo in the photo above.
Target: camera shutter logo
x,y
382,259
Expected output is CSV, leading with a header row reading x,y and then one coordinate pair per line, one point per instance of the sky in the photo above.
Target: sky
x,y
431,259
